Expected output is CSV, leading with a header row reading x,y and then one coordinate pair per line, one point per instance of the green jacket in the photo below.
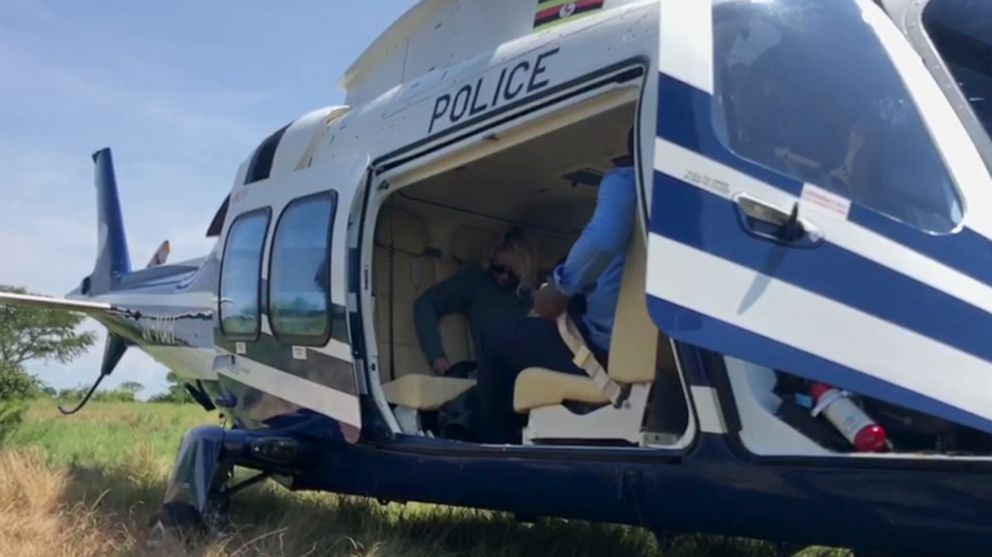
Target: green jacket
x,y
473,292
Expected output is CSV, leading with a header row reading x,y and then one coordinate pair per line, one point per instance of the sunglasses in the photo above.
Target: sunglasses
x,y
503,270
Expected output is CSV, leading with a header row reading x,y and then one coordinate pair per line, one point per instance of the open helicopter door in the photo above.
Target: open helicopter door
x,y
816,207
284,335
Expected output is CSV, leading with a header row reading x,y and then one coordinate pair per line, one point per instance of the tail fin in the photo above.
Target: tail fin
x,y
112,260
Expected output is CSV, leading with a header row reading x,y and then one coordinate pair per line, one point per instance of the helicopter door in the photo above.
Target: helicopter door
x,y
286,335
815,204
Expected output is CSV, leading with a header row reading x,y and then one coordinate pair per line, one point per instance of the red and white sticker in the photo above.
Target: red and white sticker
x,y
824,202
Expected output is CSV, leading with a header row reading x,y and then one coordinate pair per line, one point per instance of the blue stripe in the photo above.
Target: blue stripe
x,y
685,119
965,251
709,223
712,334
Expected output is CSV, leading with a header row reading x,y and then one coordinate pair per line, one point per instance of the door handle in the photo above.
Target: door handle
x,y
768,222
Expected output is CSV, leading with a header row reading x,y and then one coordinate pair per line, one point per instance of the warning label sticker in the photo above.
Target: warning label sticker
x,y
824,202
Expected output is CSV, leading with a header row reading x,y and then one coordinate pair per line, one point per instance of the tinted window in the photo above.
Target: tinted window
x,y
241,275
962,32
261,160
299,282
805,88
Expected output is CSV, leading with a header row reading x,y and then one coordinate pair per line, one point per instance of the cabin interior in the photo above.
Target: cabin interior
x,y
546,186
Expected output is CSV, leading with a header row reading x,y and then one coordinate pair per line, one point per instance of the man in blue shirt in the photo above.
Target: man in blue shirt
x,y
591,274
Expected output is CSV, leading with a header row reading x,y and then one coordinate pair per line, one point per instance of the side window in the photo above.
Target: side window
x,y
962,32
793,98
299,277
240,275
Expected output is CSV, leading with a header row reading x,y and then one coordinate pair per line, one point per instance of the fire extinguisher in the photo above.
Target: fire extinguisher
x,y
848,418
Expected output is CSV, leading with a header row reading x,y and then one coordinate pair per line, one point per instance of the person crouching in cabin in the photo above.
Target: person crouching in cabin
x,y
498,290
587,285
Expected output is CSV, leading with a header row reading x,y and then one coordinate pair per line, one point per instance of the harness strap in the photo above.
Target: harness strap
x,y
586,360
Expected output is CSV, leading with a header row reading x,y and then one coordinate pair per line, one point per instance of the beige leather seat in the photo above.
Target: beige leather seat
x,y
414,385
469,246
423,392
537,387
413,272
633,355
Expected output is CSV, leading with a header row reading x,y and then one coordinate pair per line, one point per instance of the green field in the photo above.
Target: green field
x,y
87,485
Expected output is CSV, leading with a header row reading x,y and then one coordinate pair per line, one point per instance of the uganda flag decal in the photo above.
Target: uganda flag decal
x,y
554,12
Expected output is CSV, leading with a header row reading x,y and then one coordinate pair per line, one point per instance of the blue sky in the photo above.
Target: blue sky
x,y
182,91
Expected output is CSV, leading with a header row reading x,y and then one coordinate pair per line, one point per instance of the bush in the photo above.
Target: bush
x,y
16,387
16,384
176,394
11,416
115,395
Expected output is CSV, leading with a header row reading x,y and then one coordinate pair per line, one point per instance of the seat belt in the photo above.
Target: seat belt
x,y
586,360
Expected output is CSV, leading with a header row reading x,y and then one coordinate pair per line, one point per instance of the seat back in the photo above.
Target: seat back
x,y
405,233
633,347
455,336
471,245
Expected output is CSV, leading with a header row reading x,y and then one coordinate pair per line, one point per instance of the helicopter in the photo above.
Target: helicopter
x,y
812,249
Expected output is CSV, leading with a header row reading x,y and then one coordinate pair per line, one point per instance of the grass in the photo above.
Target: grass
x,y
104,431
87,485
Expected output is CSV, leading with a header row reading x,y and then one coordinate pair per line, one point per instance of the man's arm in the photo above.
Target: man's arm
x,y
605,237
437,301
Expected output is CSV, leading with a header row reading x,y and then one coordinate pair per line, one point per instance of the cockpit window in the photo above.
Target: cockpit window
x,y
805,88
961,30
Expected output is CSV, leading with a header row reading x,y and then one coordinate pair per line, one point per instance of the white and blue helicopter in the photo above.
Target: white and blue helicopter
x,y
813,250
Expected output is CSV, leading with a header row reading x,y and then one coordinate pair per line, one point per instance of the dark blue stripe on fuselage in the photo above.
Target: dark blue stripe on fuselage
x,y
685,119
704,331
707,222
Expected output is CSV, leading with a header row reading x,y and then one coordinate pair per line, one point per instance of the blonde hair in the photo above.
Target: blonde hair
x,y
522,256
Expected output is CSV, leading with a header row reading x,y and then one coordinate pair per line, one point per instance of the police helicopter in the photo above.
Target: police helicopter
x,y
801,348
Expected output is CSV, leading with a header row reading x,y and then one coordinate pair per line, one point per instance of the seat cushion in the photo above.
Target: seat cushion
x,y
424,392
538,387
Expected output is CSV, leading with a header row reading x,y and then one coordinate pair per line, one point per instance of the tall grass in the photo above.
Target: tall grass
x,y
88,485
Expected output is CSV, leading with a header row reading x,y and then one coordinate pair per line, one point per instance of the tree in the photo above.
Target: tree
x,y
132,387
32,334
15,387
177,391
39,334
15,384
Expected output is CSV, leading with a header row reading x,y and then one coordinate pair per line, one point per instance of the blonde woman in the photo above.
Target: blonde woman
x,y
492,292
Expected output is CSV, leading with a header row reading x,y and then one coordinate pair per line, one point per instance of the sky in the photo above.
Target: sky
x,y
182,91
